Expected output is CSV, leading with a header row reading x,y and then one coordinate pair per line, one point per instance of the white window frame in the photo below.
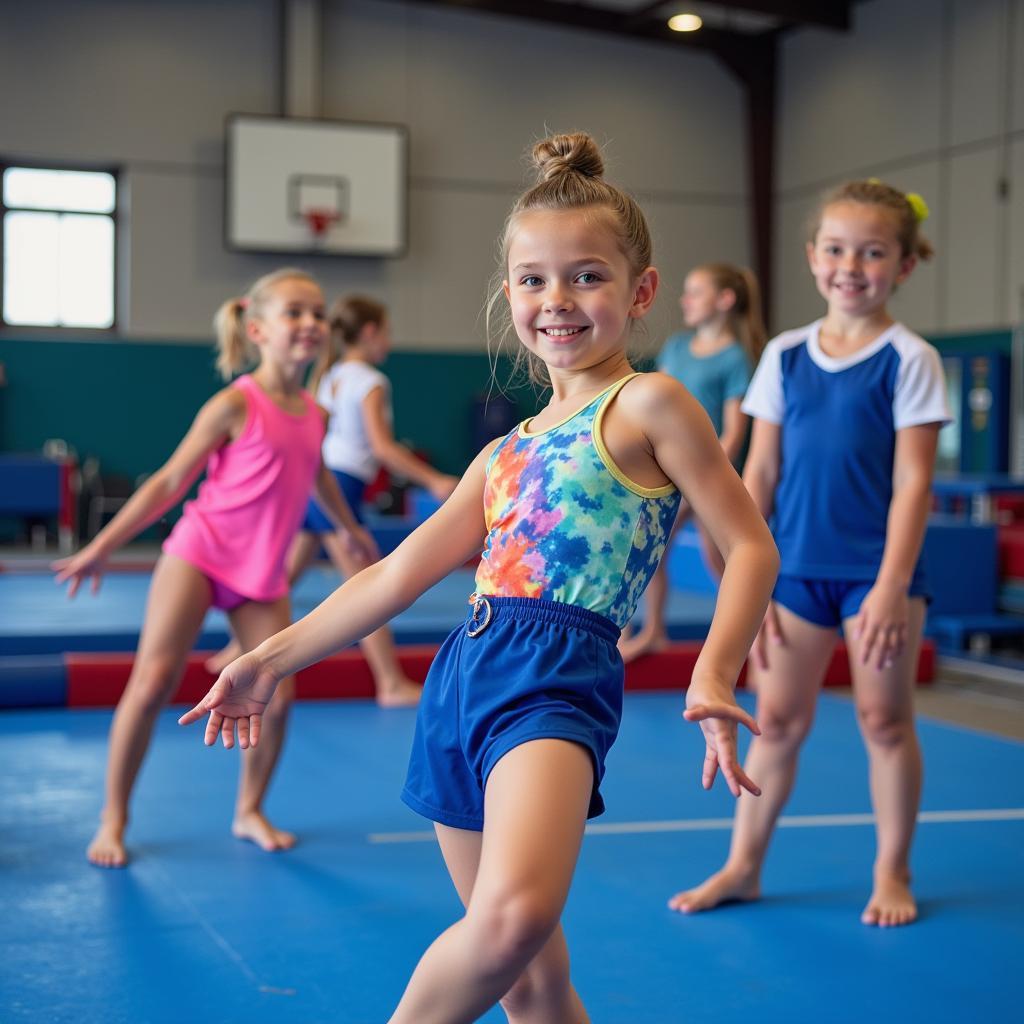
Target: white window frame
x,y
9,163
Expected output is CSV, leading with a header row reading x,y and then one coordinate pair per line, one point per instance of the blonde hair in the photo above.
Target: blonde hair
x,y
235,352
569,170
872,192
349,315
744,316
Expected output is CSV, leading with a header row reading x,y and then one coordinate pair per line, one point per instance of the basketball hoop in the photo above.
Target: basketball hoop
x,y
320,220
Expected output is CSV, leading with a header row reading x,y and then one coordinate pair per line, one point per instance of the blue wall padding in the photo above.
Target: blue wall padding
x,y
35,681
962,564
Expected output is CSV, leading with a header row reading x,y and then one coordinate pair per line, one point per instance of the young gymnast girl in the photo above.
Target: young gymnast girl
x,y
572,510
359,440
846,419
259,441
721,306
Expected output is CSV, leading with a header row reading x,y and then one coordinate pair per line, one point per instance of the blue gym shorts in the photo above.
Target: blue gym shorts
x,y
831,602
352,488
519,669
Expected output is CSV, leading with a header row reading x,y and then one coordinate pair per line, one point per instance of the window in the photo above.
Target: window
x,y
58,247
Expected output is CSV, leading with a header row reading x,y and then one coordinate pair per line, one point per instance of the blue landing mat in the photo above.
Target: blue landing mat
x,y
201,927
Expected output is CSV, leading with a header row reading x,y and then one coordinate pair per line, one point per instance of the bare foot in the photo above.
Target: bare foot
x,y
633,647
402,693
891,903
730,885
252,825
220,661
107,847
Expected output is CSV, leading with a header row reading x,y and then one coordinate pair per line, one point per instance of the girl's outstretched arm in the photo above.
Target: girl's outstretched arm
x,y
685,447
338,510
372,597
395,455
217,421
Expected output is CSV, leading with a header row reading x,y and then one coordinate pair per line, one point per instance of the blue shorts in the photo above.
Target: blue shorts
x,y
352,487
535,670
832,602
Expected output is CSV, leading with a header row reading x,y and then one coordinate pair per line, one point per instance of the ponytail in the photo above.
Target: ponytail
x,y
234,350
746,320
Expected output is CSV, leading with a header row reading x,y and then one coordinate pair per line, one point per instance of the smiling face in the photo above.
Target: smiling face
x,y
290,328
856,258
702,302
571,291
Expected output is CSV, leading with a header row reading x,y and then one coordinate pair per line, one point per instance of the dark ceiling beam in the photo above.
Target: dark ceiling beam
x,y
833,14
751,58
596,19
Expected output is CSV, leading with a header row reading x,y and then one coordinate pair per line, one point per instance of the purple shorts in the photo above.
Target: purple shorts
x,y
223,597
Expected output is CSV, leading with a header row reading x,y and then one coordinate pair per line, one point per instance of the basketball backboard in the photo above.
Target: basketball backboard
x,y
297,185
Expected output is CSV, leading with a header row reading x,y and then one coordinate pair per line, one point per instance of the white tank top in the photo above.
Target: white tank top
x,y
341,393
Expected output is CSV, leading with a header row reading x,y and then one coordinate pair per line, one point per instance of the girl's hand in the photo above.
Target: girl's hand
x,y
240,695
770,634
361,545
713,705
881,624
443,486
89,562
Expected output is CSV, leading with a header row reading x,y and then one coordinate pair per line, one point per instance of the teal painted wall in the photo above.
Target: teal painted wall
x,y
129,403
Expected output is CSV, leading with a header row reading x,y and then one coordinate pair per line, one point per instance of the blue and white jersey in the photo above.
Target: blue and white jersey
x,y
839,419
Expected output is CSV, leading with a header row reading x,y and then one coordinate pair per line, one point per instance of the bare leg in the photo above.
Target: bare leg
x,y
179,596
544,985
300,554
252,623
787,692
885,711
509,943
653,634
394,688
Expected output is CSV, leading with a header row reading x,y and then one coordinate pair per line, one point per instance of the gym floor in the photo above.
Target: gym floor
x,y
202,926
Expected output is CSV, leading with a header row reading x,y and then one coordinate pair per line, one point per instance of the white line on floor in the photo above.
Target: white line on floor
x,y
625,828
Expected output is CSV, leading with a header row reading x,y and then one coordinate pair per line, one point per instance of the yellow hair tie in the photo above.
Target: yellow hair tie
x,y
919,206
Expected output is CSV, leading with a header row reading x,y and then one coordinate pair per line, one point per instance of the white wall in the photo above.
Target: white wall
x,y
928,95
145,86
476,90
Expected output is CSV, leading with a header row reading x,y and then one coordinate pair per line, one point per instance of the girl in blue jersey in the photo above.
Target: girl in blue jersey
x,y
713,360
572,510
846,414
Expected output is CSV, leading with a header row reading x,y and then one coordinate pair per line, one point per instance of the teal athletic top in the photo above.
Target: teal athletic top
x,y
712,380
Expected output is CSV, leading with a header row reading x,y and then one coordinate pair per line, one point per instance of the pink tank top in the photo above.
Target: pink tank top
x,y
250,506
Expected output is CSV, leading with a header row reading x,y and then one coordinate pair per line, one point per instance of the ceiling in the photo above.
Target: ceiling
x,y
727,23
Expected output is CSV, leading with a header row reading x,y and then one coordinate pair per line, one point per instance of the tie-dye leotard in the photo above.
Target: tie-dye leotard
x,y
566,524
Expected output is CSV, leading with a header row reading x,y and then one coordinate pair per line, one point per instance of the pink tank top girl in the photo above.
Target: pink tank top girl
x,y
238,529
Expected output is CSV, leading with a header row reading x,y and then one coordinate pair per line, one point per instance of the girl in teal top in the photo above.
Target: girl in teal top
x,y
714,360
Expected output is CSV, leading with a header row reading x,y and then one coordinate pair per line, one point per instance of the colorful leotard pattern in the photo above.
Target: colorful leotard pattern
x,y
566,524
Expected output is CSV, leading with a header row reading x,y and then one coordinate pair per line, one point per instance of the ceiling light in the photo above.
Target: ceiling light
x,y
685,22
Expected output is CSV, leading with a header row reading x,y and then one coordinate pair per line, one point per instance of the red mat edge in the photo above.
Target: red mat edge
x,y
97,680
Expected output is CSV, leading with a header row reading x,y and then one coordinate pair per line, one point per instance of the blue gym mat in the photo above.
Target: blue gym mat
x,y
202,927
37,617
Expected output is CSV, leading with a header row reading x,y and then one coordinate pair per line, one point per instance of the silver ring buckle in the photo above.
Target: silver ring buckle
x,y
481,615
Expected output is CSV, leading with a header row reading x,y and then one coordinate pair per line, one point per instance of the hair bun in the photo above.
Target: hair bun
x,y
568,154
